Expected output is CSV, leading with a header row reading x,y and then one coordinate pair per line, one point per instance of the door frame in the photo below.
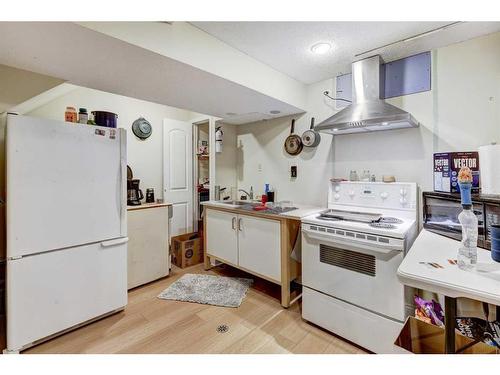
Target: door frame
x,y
211,162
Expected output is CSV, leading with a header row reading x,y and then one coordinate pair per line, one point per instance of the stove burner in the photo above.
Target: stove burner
x,y
390,220
382,225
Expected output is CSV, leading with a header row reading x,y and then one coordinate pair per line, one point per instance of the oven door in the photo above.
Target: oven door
x,y
361,274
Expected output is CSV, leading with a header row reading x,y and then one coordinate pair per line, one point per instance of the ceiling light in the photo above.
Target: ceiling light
x,y
230,114
274,112
321,48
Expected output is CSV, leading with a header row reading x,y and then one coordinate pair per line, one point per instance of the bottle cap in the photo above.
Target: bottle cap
x,y
83,110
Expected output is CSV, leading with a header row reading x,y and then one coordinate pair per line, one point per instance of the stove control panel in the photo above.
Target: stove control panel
x,y
394,195
328,234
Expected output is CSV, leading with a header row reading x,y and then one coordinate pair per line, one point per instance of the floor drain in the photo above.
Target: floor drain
x,y
222,328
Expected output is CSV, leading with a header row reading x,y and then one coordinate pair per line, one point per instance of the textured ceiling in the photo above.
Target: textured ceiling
x,y
285,46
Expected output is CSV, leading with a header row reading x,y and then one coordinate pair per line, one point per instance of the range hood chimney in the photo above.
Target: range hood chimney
x,y
367,112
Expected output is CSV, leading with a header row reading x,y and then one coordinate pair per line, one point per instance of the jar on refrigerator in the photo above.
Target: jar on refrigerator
x,y
83,116
70,115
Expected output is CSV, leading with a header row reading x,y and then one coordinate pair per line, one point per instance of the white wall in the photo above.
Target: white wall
x,y
144,157
19,85
226,161
460,113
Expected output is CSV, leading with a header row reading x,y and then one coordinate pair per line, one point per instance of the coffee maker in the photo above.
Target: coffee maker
x,y
134,194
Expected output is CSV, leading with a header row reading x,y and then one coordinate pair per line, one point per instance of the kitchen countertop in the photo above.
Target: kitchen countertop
x,y
147,205
301,211
481,284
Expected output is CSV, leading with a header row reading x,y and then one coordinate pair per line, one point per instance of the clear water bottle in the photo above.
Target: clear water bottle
x,y
467,253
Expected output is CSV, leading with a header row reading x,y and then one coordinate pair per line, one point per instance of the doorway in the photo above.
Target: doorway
x,y
201,170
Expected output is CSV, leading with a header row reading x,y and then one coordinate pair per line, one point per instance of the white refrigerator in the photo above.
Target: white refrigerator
x,y
66,226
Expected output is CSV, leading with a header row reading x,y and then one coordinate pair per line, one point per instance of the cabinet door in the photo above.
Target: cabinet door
x,y
222,239
148,245
259,246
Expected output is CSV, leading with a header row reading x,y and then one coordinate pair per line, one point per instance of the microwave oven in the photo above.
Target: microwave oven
x,y
441,210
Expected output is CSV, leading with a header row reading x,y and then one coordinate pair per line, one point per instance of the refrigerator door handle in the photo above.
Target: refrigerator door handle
x,y
115,242
123,179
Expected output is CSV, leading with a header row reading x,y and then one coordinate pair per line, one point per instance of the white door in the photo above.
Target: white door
x,y
65,184
259,246
178,174
222,239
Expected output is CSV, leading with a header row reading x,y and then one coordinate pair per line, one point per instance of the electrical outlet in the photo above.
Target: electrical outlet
x,y
293,171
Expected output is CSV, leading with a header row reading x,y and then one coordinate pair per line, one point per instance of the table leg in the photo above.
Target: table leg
x,y
450,313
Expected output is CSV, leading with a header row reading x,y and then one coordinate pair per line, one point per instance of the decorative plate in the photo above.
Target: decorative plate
x,y
142,128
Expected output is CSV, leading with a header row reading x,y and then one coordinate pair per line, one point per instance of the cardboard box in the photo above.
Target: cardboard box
x,y
423,338
187,250
446,168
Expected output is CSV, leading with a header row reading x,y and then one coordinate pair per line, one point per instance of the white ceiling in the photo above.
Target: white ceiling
x,y
115,66
285,46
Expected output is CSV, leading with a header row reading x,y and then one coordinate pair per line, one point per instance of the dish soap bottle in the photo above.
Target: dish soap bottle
x,y
467,253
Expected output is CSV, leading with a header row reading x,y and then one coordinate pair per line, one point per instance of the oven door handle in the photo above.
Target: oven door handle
x,y
383,249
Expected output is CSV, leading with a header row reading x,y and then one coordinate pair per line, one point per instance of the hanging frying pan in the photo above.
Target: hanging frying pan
x,y
293,143
311,138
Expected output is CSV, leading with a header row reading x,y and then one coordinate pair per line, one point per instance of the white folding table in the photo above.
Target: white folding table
x,y
480,284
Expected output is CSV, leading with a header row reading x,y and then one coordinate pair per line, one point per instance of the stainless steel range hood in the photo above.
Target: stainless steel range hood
x,y
367,112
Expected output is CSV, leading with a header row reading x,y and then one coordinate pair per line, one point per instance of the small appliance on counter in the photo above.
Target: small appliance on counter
x,y
150,195
134,194
441,210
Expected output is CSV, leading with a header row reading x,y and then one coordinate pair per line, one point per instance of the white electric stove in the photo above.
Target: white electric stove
x,y
350,255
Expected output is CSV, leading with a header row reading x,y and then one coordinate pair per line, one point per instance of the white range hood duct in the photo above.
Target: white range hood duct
x,y
367,112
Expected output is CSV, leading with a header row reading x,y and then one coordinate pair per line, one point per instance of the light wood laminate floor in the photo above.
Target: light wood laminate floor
x,y
151,325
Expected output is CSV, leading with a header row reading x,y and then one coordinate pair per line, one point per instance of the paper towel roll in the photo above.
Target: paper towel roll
x,y
489,164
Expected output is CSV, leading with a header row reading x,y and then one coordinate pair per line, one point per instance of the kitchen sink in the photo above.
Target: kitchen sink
x,y
250,205
238,203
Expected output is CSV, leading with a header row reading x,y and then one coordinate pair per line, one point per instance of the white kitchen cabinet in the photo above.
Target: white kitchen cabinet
x,y
259,246
248,242
148,253
222,237
258,243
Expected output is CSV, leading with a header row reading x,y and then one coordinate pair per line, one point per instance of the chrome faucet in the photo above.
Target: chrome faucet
x,y
249,195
